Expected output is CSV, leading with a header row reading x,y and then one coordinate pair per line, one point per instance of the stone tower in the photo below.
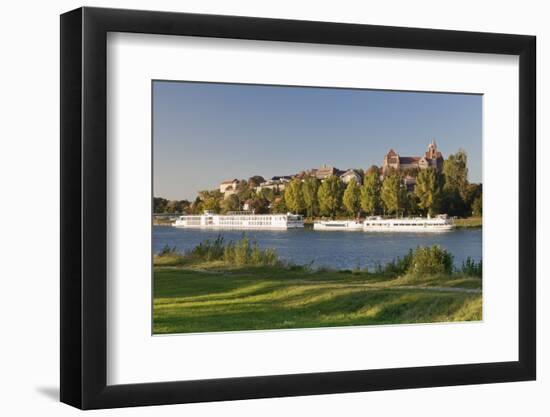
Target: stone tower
x,y
432,150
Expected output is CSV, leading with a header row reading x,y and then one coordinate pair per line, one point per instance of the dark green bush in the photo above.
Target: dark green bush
x,y
399,265
430,260
243,252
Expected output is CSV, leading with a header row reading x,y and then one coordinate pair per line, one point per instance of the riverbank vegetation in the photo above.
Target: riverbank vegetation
x,y
395,192
470,222
227,286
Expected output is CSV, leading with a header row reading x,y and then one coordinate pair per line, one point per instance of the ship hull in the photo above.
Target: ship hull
x,y
408,224
239,227
409,229
240,222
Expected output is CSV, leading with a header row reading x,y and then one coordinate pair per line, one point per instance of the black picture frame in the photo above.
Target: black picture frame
x,y
84,207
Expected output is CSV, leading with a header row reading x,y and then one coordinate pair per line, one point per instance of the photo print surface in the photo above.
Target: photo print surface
x,y
290,207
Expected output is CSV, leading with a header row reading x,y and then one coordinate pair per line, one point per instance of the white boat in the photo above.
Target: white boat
x,y
440,223
240,220
338,225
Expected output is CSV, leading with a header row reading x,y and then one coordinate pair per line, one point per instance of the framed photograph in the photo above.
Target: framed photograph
x,y
257,208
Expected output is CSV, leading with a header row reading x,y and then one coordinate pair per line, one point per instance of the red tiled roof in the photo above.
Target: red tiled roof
x,y
408,159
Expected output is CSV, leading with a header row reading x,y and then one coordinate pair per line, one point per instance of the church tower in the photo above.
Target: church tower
x,y
432,150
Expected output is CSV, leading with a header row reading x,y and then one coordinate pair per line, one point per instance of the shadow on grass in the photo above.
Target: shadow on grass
x,y
316,305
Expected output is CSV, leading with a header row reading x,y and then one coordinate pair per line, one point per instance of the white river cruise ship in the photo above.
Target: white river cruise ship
x,y
440,223
240,220
350,225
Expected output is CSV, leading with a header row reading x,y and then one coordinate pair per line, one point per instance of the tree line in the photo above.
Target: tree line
x,y
435,192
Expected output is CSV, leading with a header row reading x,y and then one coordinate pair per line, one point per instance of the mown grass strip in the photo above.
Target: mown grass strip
x,y
194,300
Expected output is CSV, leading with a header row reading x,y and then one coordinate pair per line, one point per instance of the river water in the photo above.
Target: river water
x,y
335,249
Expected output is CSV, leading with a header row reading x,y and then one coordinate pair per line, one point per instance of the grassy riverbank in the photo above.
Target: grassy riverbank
x,y
192,294
162,221
469,222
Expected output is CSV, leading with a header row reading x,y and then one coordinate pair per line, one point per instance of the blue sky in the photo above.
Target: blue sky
x,y
205,133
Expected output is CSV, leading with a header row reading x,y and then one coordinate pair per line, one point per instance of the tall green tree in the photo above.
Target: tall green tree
x,y
159,205
258,204
456,189
428,190
452,203
477,207
211,200
278,205
197,206
393,193
255,180
230,203
173,206
370,192
351,197
330,196
310,187
455,170
244,191
474,191
411,204
267,194
293,196
184,206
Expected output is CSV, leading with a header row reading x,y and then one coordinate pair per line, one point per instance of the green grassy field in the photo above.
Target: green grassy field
x,y
212,296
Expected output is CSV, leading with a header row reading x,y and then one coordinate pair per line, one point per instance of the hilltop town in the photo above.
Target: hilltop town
x,y
425,184
392,160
